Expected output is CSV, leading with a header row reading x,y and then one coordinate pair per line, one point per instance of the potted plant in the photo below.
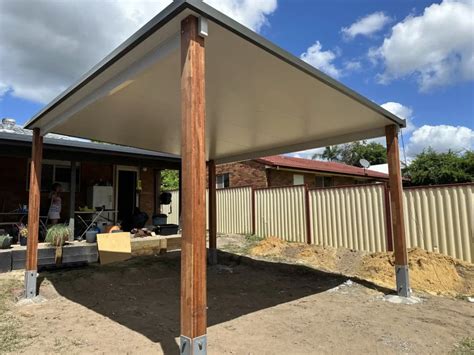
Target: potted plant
x,y
23,234
5,241
57,236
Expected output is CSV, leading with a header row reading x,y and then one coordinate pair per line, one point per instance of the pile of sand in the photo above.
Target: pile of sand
x,y
271,246
429,272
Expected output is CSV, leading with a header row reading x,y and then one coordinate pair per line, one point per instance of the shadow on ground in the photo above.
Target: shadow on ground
x,y
143,293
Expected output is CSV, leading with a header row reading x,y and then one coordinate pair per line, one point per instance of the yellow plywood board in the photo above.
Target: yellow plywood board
x,y
114,247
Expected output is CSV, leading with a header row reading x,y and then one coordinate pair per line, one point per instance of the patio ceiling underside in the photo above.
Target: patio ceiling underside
x,y
257,101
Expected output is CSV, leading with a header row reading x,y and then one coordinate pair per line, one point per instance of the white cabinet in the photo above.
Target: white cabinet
x,y
98,196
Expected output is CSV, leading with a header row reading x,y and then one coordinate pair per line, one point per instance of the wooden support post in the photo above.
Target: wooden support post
x,y
193,167
396,199
388,217
72,200
31,266
212,213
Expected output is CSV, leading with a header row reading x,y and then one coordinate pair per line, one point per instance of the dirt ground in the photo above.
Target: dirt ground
x,y
255,307
432,273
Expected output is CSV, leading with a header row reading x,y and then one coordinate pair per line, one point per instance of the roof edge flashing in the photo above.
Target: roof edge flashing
x,y
203,9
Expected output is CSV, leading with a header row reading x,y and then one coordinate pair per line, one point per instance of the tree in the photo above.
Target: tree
x,y
431,168
169,180
330,153
352,153
374,153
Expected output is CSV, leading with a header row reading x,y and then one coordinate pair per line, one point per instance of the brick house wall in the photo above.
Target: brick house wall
x,y
248,173
251,173
147,196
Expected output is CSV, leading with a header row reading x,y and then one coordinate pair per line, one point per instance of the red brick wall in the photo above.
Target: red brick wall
x,y
250,173
247,173
147,193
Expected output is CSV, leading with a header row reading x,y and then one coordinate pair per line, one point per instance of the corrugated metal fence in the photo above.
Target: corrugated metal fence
x,y
439,218
281,212
351,217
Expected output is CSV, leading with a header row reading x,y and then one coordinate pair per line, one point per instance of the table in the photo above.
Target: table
x,y
21,219
88,218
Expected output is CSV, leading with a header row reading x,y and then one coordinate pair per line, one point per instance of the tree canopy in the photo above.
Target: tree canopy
x,y
352,153
169,180
431,168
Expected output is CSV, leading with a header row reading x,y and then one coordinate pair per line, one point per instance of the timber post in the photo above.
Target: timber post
x,y
193,338
31,267
212,213
396,200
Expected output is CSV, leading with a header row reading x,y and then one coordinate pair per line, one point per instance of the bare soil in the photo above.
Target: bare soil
x,y
255,307
432,273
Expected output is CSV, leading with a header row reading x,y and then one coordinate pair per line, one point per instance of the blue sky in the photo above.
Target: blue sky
x,y
414,56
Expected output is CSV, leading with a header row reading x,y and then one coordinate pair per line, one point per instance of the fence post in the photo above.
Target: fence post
x,y
307,214
254,230
388,217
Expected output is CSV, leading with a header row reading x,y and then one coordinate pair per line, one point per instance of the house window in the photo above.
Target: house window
x,y
222,181
298,179
56,172
324,181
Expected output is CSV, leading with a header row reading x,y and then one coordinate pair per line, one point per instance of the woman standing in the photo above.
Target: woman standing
x,y
54,213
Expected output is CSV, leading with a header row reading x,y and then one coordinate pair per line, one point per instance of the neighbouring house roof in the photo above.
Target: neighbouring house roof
x,y
319,166
63,147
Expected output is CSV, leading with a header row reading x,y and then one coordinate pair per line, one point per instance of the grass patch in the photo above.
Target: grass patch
x,y
10,338
465,347
252,238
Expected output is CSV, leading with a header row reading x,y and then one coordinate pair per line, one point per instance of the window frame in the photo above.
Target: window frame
x,y
55,164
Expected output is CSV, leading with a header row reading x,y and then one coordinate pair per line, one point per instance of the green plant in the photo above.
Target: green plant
x,y
5,241
23,231
58,235
465,347
432,168
252,238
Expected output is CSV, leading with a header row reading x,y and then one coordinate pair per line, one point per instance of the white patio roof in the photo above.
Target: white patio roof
x,y
260,100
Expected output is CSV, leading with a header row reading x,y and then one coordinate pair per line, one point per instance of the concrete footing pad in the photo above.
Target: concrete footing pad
x,y
30,301
402,300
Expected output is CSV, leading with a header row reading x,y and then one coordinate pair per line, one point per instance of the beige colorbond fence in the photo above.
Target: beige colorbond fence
x,y
281,212
172,210
234,210
351,217
441,218
437,218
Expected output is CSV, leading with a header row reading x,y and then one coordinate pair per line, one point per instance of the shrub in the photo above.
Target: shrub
x,y
58,235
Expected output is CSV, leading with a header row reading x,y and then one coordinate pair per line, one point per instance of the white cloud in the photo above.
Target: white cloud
x,y
307,154
352,65
441,138
401,111
436,47
367,25
251,13
323,60
43,54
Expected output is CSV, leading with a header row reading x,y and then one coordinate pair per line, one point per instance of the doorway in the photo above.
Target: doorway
x,y
126,194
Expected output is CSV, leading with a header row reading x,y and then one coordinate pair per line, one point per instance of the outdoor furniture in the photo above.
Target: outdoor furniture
x,y
88,218
21,217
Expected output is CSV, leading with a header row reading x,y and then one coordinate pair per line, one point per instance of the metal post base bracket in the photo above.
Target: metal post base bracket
x,y
196,346
30,283
403,283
